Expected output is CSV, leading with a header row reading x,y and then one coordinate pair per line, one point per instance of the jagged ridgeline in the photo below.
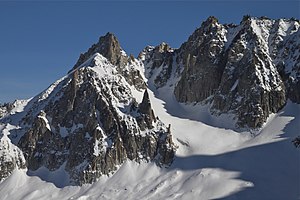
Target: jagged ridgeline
x,y
249,70
90,122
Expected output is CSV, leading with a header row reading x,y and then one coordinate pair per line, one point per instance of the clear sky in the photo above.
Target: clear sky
x,y
41,41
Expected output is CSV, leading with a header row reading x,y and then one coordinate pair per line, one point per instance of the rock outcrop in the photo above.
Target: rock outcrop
x,y
250,69
9,108
251,84
202,58
109,47
147,113
158,58
90,123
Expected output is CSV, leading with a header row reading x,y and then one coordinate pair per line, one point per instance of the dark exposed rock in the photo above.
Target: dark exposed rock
x,y
202,57
287,60
84,130
89,123
294,90
249,70
159,57
109,47
145,106
250,86
146,110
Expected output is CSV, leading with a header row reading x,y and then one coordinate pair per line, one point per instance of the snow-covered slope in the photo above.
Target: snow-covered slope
x,y
11,157
211,163
87,124
249,70
97,128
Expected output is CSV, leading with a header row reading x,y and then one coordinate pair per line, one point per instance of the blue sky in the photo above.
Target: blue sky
x,y
41,41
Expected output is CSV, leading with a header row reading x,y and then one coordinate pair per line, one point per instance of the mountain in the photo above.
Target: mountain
x,y
214,117
250,69
89,122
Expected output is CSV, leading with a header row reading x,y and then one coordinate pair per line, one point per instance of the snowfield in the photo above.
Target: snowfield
x,y
214,159
212,162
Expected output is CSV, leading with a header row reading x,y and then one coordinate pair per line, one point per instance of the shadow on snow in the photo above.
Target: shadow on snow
x,y
273,168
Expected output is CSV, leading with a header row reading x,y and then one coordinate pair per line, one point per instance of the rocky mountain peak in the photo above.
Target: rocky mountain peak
x,y
210,21
162,48
250,69
245,19
127,66
88,123
201,55
158,57
108,46
145,53
108,38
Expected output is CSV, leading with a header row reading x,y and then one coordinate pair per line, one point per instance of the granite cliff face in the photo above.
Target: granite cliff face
x,y
160,57
110,48
250,69
202,58
91,124
91,121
